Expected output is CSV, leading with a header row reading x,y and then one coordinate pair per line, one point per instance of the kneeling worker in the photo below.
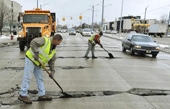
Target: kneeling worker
x,y
42,49
93,40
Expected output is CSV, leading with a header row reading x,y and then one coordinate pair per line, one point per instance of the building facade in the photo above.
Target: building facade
x,y
13,9
131,23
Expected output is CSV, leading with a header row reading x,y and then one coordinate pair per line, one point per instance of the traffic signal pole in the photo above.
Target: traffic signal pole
x,y
168,25
92,17
102,15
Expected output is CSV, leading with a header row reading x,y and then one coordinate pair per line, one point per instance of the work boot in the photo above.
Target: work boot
x,y
86,57
24,99
94,57
44,98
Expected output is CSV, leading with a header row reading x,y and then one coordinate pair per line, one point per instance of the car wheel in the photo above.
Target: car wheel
x,y
123,49
22,45
131,51
154,55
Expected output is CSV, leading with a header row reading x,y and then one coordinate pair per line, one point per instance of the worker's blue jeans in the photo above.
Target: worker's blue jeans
x,y
90,48
29,70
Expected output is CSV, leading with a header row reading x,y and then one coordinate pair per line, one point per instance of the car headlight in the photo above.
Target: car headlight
x,y
157,48
45,35
20,35
136,46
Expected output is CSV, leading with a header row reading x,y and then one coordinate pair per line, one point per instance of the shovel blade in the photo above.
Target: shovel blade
x,y
110,55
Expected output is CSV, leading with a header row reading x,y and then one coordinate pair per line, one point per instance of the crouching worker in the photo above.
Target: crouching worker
x,y
42,49
91,44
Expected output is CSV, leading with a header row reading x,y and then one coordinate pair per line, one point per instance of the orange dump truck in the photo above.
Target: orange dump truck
x,y
35,23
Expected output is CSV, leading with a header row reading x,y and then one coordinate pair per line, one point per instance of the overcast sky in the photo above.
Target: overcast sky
x,y
73,8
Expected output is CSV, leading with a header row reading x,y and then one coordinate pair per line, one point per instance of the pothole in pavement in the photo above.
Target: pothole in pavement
x,y
148,92
12,68
72,57
72,67
32,94
60,67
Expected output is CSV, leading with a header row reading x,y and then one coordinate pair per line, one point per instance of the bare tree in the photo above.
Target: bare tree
x,y
4,14
64,27
59,26
164,18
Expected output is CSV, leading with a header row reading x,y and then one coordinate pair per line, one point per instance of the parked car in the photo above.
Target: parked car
x,y
63,31
132,32
86,32
72,32
108,31
113,32
141,44
77,31
58,30
6,29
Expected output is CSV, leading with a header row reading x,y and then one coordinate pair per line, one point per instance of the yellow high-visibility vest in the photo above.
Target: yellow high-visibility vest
x,y
92,39
44,53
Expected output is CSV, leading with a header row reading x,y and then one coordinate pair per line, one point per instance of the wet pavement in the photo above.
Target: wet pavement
x,y
122,82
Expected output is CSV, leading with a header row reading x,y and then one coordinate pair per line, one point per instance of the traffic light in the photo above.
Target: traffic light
x,y
80,17
63,19
103,20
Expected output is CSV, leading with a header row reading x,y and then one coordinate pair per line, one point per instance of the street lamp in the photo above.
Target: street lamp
x,y
43,5
121,18
37,3
145,17
93,15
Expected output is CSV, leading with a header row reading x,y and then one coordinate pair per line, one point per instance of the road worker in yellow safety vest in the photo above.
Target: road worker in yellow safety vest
x,y
42,49
93,40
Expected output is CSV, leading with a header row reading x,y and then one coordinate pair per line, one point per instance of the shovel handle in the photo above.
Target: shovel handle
x,y
45,68
105,50
51,77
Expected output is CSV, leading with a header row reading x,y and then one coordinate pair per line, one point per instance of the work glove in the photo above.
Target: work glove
x,y
52,74
101,45
36,56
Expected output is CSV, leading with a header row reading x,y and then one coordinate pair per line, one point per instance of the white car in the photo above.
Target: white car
x,y
108,31
72,32
113,32
63,31
86,32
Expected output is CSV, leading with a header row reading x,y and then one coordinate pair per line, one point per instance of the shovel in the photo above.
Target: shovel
x,y
65,94
110,55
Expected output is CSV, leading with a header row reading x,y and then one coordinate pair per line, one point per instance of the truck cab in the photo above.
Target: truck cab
x,y
35,23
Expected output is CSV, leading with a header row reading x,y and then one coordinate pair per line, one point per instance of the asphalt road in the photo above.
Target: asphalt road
x,y
124,82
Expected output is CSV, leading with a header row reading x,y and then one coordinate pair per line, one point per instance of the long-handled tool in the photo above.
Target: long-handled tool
x,y
65,94
110,55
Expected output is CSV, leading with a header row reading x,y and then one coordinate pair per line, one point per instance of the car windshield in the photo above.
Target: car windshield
x,y
35,18
72,30
140,38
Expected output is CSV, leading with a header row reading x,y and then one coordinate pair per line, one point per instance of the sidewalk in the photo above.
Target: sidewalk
x,y
6,41
163,47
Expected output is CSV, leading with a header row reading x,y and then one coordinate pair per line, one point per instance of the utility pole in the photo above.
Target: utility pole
x,y
121,19
102,15
92,17
37,3
168,26
145,18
